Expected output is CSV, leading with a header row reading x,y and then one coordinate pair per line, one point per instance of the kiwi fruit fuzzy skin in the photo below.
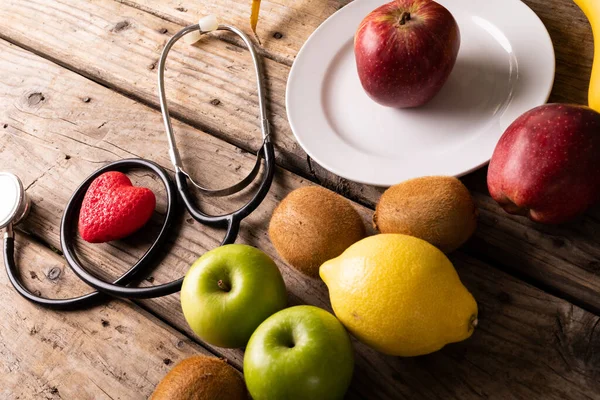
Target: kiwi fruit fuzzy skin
x,y
438,209
313,225
201,378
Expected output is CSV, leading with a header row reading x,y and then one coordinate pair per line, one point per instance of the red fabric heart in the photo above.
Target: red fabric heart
x,y
113,209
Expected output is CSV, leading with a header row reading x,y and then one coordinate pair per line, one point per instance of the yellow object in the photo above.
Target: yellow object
x,y
591,8
399,295
254,15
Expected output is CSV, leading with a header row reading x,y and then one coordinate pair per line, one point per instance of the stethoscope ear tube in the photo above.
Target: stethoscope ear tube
x,y
231,220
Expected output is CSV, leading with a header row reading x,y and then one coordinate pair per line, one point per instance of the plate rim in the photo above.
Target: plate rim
x,y
293,71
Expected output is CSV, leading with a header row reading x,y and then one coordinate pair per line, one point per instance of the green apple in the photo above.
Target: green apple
x,y
302,352
229,291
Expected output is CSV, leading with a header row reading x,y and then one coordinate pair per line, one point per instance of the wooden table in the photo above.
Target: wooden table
x,y
78,89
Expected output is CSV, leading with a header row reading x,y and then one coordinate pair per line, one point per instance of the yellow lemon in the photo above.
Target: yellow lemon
x,y
399,295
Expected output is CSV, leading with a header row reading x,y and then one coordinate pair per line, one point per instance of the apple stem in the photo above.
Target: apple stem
x,y
405,17
223,286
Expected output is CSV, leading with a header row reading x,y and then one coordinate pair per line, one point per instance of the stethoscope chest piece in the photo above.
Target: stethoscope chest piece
x,y
14,202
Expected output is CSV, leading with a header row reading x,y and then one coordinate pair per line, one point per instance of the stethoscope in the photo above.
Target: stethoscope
x,y
15,204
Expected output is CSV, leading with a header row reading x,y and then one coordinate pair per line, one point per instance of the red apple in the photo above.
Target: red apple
x,y
405,51
547,163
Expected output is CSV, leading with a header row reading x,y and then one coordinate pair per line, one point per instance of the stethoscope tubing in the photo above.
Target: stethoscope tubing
x,y
162,94
232,221
67,239
12,271
175,192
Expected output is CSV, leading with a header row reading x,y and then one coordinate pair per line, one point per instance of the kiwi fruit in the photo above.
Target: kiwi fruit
x,y
438,209
201,378
313,225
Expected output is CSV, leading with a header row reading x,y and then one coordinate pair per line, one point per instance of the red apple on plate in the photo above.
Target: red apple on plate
x,y
405,51
547,163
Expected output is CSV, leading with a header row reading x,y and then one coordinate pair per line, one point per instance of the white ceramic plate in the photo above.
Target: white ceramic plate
x,y
505,67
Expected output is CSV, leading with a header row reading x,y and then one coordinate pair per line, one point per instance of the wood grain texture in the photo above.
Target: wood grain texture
x,y
529,343
213,84
212,88
284,25
112,351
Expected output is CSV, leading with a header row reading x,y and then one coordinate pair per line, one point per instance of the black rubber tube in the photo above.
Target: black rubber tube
x,y
73,303
68,241
231,221
118,288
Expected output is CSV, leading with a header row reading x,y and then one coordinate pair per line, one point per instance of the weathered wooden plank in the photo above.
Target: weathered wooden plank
x,y
283,25
207,85
127,43
529,343
214,85
112,351
562,259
